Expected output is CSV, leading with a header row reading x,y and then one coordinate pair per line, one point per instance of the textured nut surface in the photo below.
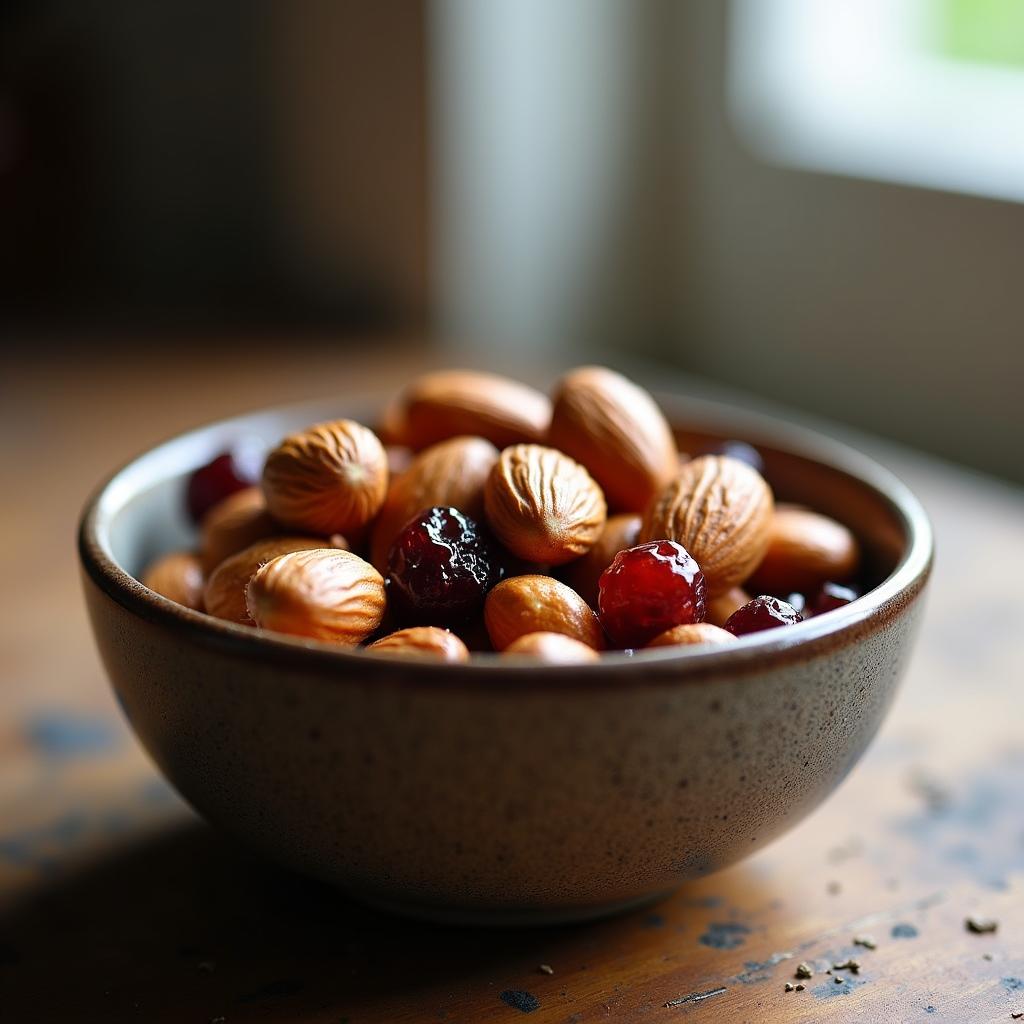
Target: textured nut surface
x,y
620,532
321,593
451,473
692,633
543,505
805,549
450,403
236,522
178,577
329,478
617,431
539,604
720,608
422,642
224,594
720,510
552,648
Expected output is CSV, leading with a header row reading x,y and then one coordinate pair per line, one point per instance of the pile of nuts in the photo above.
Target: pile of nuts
x,y
484,516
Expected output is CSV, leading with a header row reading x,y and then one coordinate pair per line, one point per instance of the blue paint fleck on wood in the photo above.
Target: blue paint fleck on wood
x,y
526,1002
724,935
835,986
60,736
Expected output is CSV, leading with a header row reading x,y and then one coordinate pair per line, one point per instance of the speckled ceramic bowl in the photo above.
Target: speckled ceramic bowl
x,y
492,791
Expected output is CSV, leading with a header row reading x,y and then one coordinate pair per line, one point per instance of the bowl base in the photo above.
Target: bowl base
x,y
506,917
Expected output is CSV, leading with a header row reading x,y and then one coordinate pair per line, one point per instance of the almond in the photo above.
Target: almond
x,y
330,478
320,593
692,633
236,522
620,532
617,431
552,648
720,608
452,473
422,642
450,403
178,577
805,550
720,510
539,604
543,505
224,595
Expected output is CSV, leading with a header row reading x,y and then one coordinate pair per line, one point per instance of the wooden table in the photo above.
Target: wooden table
x,y
118,904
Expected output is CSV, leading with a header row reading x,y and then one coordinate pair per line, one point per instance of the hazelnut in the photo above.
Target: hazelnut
x,y
552,648
542,505
320,593
330,478
236,522
615,429
422,642
539,604
178,577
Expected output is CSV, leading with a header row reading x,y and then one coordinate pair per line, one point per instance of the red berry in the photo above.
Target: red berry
x,y
739,450
762,613
832,596
228,472
440,569
648,589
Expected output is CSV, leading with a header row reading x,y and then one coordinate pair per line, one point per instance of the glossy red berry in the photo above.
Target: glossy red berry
x,y
229,472
832,596
648,589
440,569
762,613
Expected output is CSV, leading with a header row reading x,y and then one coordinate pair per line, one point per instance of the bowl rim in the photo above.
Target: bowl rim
x,y
754,653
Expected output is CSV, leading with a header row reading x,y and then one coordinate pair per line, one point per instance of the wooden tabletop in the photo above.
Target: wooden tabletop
x,y
118,904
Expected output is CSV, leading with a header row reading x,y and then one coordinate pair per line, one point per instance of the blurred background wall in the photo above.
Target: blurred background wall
x,y
816,201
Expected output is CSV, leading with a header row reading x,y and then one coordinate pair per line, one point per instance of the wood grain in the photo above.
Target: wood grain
x,y
117,904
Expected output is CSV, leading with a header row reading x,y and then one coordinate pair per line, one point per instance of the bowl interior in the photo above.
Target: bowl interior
x,y
140,513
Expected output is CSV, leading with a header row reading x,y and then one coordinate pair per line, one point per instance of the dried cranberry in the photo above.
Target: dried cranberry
x,y
739,450
648,589
762,613
229,472
832,596
440,569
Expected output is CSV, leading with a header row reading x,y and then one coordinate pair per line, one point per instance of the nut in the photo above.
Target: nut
x,y
422,642
720,510
539,604
450,403
805,550
617,431
178,577
236,522
582,575
692,633
720,608
224,595
542,505
329,478
451,474
553,648
321,593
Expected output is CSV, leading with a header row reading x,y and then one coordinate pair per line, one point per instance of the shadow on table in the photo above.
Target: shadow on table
x,y
187,926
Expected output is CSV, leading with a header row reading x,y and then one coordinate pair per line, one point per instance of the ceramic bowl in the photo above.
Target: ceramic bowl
x,y
494,791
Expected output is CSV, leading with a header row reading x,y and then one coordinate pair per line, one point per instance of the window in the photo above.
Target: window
x,y
924,92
